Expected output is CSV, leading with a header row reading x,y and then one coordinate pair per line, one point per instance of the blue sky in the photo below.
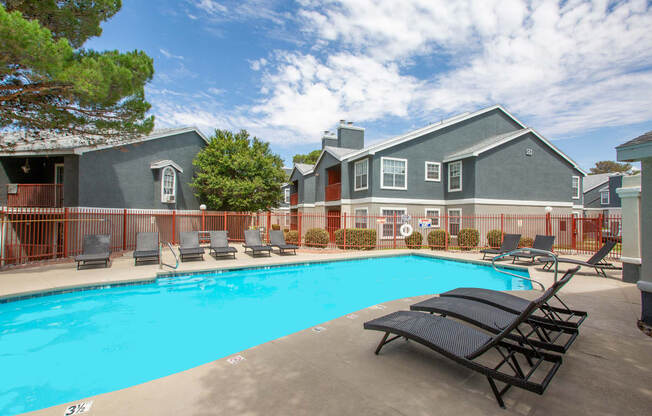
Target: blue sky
x,y
578,72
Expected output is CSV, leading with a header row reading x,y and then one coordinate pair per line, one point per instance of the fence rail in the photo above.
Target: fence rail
x,y
33,234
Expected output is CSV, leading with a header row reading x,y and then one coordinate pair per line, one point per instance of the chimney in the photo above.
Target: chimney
x,y
350,136
328,139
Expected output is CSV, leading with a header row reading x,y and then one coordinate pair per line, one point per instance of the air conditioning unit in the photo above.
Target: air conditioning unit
x,y
168,199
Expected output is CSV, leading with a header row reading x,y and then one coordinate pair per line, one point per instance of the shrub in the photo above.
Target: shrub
x,y
468,238
414,240
356,238
494,238
316,237
276,227
437,238
525,242
291,236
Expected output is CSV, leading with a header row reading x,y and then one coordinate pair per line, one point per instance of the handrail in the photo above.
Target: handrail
x,y
161,264
520,250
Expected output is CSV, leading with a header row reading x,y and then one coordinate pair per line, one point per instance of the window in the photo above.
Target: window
x,y
287,195
455,176
576,187
388,226
168,184
433,171
604,197
361,175
454,217
393,173
433,214
361,217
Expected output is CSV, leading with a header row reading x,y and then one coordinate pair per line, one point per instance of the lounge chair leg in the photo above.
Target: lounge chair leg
x,y
499,399
385,341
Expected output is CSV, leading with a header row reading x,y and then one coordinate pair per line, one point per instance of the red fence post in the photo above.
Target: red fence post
x,y
65,232
599,226
225,229
446,232
502,227
174,226
299,227
394,229
344,230
203,220
124,229
573,233
548,224
269,223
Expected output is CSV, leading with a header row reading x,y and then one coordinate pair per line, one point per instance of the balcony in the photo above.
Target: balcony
x,y
33,195
294,198
334,192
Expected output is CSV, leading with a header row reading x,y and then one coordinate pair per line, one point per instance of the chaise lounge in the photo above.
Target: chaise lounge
x,y
96,248
541,242
220,244
254,243
147,248
510,242
189,246
596,261
277,239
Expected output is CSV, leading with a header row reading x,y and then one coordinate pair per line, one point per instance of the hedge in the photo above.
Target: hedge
x,y
468,238
525,242
494,238
316,237
291,236
437,238
356,238
414,240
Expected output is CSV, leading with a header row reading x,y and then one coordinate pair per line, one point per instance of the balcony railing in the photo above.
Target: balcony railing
x,y
42,195
294,198
334,192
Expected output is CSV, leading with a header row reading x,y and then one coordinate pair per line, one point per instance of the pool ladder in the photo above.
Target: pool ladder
x,y
161,264
532,250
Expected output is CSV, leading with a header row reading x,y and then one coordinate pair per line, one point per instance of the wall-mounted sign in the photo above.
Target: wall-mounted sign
x,y
381,220
425,223
529,152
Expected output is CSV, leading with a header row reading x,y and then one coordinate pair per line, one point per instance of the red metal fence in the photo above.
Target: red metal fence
x,y
43,195
32,234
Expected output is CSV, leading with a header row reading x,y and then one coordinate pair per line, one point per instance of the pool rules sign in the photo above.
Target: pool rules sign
x,y
78,408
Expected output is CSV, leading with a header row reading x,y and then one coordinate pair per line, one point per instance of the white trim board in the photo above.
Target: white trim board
x,y
479,201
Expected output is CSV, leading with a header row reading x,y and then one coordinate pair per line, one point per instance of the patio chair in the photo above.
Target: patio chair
x,y
147,248
471,348
510,242
253,243
220,244
596,261
96,248
189,246
550,336
541,242
277,239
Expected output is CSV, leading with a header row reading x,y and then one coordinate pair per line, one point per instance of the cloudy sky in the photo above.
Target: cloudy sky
x,y
579,72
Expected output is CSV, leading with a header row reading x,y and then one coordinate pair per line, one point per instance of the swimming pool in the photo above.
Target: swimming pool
x,y
60,348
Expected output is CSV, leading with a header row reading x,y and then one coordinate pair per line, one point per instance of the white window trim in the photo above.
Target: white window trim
x,y
449,218
367,173
579,183
449,176
355,215
286,195
438,216
382,174
380,226
606,191
174,187
426,171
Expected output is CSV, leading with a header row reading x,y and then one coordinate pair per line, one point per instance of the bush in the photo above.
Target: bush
x,y
525,242
316,237
414,240
291,236
468,238
356,238
437,239
276,227
494,238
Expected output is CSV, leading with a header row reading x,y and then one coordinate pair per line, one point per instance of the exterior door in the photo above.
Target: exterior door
x,y
333,223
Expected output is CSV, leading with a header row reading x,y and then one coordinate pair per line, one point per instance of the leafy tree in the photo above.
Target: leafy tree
x,y
310,158
609,166
236,173
48,85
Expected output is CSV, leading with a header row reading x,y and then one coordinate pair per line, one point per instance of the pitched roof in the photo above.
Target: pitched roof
x,y
591,181
164,163
644,138
304,167
55,143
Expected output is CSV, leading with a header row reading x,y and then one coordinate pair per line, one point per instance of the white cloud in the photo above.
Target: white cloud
x,y
257,64
170,55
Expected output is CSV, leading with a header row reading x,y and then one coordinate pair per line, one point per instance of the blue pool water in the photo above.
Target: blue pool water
x,y
60,348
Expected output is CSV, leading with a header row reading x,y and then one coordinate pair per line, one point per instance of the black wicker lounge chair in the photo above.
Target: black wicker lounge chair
x,y
277,239
189,247
550,336
253,243
96,248
541,242
596,261
510,242
220,244
147,248
471,348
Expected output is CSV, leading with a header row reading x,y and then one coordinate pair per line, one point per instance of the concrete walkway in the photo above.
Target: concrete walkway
x,y
608,370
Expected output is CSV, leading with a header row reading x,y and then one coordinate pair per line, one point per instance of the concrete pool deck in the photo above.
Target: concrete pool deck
x,y
608,370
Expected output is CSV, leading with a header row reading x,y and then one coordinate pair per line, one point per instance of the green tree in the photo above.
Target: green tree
x,y
609,166
238,173
47,84
310,158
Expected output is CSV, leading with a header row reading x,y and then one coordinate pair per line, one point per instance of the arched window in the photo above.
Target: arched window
x,y
168,185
